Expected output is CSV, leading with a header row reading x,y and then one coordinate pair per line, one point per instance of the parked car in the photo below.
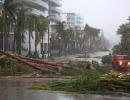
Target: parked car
x,y
121,62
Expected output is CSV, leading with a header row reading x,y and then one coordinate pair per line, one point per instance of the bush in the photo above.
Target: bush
x,y
107,59
9,67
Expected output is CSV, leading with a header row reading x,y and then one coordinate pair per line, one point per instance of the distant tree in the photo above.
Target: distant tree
x,y
118,49
107,59
103,43
61,34
90,36
124,46
69,40
74,40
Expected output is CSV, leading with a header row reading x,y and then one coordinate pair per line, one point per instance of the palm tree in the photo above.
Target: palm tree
x,y
7,16
69,40
12,17
61,33
30,26
20,28
43,24
36,24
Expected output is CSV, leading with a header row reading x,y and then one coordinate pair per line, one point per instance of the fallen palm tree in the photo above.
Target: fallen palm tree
x,y
33,63
42,62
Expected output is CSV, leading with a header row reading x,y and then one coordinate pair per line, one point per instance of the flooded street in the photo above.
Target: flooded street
x,y
16,89
96,56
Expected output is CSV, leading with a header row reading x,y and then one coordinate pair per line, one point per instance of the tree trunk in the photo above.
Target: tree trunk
x,y
29,43
35,44
20,45
42,47
14,43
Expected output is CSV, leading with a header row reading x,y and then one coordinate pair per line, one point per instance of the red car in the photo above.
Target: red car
x,y
121,62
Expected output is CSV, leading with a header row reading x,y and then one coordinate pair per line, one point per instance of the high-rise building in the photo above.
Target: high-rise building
x,y
46,8
1,2
1,36
72,20
54,14
79,20
54,11
37,7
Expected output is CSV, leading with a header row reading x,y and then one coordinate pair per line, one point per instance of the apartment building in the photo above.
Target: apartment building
x,y
54,14
46,8
1,37
1,3
72,20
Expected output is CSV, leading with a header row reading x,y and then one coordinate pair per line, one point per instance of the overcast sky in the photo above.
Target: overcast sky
x,y
107,15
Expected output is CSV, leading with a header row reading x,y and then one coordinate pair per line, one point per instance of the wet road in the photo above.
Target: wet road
x,y
96,56
16,89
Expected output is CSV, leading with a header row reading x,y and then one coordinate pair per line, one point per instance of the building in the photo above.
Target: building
x,y
54,14
1,37
72,20
46,8
38,7
1,3
79,20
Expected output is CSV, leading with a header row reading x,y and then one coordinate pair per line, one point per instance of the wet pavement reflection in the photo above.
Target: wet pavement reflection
x,y
16,89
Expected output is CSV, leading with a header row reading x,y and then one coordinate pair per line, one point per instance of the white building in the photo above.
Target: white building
x,y
46,8
1,36
1,2
72,20
54,14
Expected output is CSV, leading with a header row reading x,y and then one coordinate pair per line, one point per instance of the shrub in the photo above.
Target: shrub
x,y
107,59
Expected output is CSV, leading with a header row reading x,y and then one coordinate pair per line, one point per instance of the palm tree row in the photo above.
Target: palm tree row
x,y
22,24
74,40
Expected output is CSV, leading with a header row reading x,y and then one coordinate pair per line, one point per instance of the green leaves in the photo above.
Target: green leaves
x,y
124,46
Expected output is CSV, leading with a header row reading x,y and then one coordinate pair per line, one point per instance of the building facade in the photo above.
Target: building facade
x,y
37,7
1,3
1,36
46,8
72,20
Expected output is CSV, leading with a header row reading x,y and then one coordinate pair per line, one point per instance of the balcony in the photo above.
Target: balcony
x,y
37,12
55,10
56,3
37,4
55,17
